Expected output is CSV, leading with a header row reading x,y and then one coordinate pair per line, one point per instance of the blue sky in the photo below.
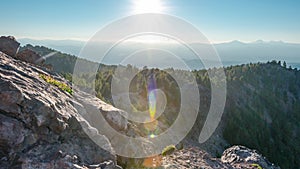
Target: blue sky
x,y
220,21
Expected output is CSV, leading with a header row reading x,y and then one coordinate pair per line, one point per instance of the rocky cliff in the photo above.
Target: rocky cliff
x,y
40,127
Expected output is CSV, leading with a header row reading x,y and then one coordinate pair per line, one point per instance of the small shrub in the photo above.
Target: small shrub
x,y
257,166
168,150
56,83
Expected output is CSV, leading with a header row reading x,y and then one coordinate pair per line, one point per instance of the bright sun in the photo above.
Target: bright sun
x,y
147,6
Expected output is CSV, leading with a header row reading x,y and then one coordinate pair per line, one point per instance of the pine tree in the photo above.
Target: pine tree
x,y
284,64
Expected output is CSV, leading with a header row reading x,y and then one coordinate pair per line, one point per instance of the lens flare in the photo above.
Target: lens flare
x,y
151,126
152,97
152,135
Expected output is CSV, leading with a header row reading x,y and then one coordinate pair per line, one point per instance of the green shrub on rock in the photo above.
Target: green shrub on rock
x,y
56,83
168,150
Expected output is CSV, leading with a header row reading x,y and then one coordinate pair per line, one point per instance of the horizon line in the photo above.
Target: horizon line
x,y
141,41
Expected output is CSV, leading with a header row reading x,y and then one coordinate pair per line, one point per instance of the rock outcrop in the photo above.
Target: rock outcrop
x,y
39,125
30,56
236,157
192,157
242,157
9,45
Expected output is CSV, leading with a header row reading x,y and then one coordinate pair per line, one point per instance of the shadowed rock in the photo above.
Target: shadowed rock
x,y
9,45
30,56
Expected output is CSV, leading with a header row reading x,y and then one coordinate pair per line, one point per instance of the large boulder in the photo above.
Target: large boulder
x,y
243,157
41,128
9,45
236,157
30,56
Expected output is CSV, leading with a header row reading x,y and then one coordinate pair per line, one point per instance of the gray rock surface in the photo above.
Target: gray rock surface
x,y
242,157
236,157
39,125
192,157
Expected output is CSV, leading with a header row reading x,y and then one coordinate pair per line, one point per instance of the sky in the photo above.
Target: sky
x,y
219,21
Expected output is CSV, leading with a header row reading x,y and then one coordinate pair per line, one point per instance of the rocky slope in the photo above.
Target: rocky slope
x,y
41,127
235,157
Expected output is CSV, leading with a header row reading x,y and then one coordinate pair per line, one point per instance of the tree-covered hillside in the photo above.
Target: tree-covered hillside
x,y
265,111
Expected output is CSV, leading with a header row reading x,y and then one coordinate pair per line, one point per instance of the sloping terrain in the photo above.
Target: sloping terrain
x,y
41,127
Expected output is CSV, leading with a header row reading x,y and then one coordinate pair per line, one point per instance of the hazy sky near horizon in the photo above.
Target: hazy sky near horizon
x,y
219,20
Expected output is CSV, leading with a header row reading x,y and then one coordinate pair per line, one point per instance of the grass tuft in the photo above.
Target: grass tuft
x,y
60,85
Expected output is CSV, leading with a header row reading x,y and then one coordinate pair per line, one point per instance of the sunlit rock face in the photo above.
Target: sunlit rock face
x,y
39,125
242,157
233,157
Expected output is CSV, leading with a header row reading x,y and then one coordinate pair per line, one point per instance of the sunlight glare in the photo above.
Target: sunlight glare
x,y
148,6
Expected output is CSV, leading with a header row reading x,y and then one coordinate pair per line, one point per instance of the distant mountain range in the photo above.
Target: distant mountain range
x,y
231,53
260,51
